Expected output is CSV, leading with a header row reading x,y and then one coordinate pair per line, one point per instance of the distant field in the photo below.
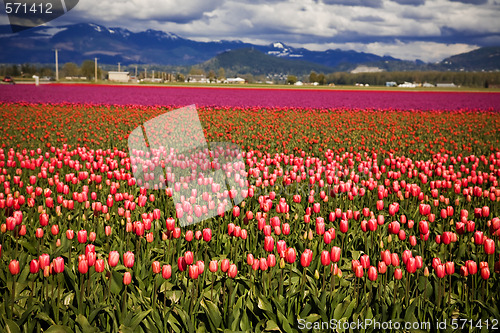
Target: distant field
x,y
253,96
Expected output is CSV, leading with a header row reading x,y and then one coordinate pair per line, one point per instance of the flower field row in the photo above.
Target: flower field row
x,y
251,97
348,214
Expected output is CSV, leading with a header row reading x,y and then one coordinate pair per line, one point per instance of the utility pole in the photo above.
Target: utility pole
x,y
118,67
95,73
145,73
153,74
57,65
136,72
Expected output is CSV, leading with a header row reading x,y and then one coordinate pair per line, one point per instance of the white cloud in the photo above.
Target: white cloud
x,y
425,51
427,29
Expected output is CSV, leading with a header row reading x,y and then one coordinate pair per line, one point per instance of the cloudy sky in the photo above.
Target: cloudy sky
x,y
429,30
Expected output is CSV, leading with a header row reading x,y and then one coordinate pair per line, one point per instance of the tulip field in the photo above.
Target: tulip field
x,y
349,214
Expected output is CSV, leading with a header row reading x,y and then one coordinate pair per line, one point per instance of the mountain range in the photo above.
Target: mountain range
x,y
79,42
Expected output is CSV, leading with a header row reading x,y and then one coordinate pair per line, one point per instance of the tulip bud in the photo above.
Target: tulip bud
x,y
127,278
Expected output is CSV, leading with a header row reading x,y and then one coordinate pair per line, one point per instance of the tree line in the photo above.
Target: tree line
x,y
468,79
87,70
69,69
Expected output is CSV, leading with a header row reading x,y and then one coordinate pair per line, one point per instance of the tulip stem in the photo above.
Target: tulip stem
x,y
303,283
280,288
331,279
212,287
154,294
13,295
124,305
58,297
82,288
407,289
324,275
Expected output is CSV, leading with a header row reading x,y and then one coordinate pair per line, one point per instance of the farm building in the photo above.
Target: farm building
x,y
237,80
446,85
118,76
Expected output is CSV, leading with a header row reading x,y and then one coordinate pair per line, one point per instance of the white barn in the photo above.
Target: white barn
x,y
119,76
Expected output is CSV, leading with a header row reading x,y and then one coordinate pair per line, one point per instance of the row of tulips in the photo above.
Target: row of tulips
x,y
345,235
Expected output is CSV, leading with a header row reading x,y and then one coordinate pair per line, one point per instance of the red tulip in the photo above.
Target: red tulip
x,y
14,267
423,227
359,271
114,258
450,267
344,226
325,258
263,264
224,265
128,259
127,278
372,273
355,264
166,271
256,264
485,273
39,233
170,222
286,229
44,219
193,272
290,256
386,257
411,265
320,226
156,267
271,260
394,259
201,266
485,212
471,267
236,211
58,265
232,271
82,236
382,267
306,258
489,246
478,237
365,261
34,266
230,229
419,262
327,238
207,234
269,243
250,259
463,271
394,227
398,274
83,266
440,271
181,264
